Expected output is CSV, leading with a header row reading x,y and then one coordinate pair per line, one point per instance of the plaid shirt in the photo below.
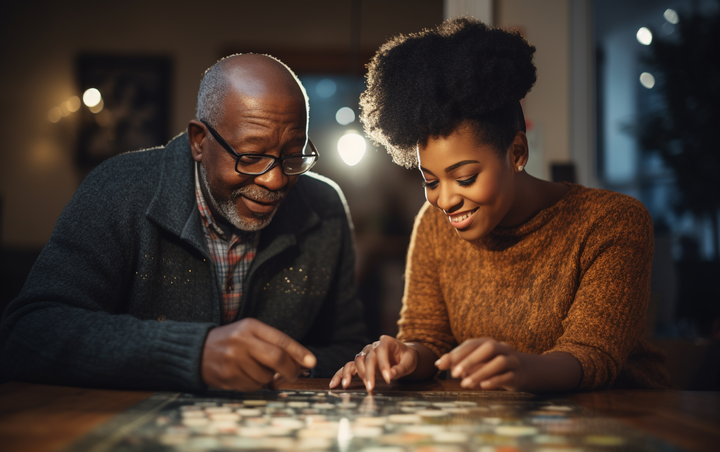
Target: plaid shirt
x,y
232,256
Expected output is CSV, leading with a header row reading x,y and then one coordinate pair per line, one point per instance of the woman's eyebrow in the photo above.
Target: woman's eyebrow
x,y
426,171
459,164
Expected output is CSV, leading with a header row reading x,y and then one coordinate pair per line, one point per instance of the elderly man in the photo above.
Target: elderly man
x,y
211,262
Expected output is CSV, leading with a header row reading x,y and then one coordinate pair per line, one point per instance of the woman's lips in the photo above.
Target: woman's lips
x,y
259,207
463,219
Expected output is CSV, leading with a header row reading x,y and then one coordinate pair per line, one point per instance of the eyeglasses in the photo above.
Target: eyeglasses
x,y
258,164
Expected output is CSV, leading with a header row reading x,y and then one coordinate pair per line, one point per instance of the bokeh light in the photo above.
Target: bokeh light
x,y
647,80
92,97
97,108
73,104
55,114
351,148
644,36
671,16
326,88
345,116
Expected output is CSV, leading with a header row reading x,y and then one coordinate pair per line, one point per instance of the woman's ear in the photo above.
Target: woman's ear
x,y
518,152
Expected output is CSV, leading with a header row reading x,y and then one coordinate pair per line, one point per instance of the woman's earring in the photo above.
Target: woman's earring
x,y
520,168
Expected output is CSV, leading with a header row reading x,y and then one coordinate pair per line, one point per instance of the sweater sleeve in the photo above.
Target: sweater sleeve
x,y
67,326
424,316
606,318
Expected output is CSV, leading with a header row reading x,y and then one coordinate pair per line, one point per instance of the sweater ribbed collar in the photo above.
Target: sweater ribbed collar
x,y
502,238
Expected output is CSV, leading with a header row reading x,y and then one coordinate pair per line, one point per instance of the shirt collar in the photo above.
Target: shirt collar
x,y
209,221
205,213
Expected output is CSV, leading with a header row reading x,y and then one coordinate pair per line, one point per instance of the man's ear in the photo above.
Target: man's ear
x,y
197,135
518,152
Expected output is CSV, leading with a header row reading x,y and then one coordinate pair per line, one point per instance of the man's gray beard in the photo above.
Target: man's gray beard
x,y
228,210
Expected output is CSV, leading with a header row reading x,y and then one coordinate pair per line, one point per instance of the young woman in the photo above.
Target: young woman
x,y
543,285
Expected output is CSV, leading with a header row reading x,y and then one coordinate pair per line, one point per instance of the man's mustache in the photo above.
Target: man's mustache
x,y
259,194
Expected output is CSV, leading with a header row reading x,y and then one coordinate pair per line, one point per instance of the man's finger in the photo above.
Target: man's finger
x,y
275,358
247,378
271,335
277,380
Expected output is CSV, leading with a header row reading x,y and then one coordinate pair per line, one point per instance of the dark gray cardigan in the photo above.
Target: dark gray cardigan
x,y
124,293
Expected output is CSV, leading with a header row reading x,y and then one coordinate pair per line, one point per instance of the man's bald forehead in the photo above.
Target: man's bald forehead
x,y
246,75
250,73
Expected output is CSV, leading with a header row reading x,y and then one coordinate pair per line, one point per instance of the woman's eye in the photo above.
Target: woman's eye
x,y
468,181
431,184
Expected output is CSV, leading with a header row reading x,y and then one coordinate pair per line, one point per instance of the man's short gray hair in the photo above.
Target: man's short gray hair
x,y
214,86
211,95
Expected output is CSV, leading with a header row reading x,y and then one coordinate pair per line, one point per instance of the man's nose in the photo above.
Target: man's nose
x,y
273,180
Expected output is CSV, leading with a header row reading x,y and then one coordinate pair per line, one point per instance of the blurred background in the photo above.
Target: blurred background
x,y
626,99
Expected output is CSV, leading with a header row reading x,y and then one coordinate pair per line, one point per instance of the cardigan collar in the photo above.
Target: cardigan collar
x,y
174,206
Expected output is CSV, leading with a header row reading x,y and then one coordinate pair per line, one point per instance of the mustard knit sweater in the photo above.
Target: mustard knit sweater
x,y
575,278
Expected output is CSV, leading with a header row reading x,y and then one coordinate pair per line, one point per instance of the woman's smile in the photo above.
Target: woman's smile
x,y
463,219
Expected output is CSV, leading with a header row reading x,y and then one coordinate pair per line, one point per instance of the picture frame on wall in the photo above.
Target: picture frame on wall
x,y
134,109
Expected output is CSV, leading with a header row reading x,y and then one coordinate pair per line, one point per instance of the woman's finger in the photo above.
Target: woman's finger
x,y
407,363
336,378
360,364
382,354
480,355
348,371
500,364
506,380
370,367
457,354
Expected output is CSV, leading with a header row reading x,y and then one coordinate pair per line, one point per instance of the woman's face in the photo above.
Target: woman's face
x,y
470,182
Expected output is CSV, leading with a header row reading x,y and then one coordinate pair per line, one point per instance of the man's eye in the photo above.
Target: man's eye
x,y
431,184
249,159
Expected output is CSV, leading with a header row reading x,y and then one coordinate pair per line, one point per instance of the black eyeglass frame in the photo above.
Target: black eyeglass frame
x,y
281,160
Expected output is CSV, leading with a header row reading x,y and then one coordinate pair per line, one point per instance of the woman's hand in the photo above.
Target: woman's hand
x,y
387,358
485,363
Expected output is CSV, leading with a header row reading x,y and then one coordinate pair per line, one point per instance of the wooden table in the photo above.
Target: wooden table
x,y
44,418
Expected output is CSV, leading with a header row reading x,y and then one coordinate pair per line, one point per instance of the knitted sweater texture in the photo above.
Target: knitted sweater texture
x,y
574,278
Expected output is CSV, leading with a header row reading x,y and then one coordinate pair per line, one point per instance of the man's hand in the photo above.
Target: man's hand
x,y
248,354
387,358
484,363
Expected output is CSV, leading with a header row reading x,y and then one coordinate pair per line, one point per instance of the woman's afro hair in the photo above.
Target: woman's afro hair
x,y
426,84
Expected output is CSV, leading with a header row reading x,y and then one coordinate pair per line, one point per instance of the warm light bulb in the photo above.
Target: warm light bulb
x,y
351,148
92,97
644,36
